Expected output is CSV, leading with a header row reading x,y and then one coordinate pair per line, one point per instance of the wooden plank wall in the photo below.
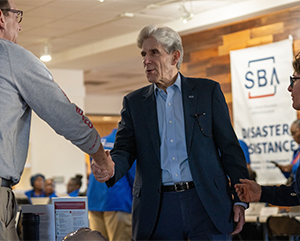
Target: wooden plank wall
x,y
206,53
104,124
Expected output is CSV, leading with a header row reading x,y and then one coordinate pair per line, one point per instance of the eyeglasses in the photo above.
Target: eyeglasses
x,y
293,80
19,12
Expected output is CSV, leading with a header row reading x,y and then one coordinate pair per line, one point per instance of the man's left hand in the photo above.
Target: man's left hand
x,y
239,218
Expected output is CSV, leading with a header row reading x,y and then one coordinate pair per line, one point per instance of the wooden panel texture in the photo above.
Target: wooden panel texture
x,y
206,53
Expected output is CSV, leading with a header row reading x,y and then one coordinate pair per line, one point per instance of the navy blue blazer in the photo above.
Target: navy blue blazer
x,y
280,195
214,153
283,195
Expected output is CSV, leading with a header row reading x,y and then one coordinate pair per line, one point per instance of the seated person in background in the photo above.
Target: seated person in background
x,y
74,185
50,188
289,170
252,174
37,182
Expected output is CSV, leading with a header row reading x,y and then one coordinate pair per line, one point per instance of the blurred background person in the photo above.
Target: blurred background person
x,y
37,182
50,188
244,146
289,170
110,208
74,185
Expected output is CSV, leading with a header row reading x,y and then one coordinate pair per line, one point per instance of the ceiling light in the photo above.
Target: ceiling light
x,y
101,1
46,52
152,6
186,18
106,118
127,15
186,15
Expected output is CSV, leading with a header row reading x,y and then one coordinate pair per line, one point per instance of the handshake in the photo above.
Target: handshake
x,y
102,165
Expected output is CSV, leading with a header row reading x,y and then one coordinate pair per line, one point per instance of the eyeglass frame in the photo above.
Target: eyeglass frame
x,y
19,12
293,80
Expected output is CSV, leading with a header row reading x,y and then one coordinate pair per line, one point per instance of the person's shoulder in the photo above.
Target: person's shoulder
x,y
16,51
7,43
7,47
74,193
201,81
28,192
202,84
31,190
140,92
53,195
10,46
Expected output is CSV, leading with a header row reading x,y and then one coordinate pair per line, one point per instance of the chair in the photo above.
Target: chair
x,y
283,226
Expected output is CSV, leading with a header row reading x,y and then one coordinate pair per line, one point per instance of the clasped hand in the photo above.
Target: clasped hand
x,y
104,171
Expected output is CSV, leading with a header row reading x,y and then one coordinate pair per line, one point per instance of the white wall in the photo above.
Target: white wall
x,y
103,104
49,153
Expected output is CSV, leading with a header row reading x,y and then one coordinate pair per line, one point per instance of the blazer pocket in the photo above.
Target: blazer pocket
x,y
221,182
136,190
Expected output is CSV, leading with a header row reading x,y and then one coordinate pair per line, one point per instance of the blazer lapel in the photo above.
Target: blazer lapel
x,y
150,115
189,99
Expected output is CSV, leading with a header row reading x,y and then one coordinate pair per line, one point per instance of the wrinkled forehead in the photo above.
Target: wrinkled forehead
x,y
151,44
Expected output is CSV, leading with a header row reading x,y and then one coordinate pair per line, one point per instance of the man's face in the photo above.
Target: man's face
x,y
39,183
71,186
295,92
49,186
295,131
160,67
11,27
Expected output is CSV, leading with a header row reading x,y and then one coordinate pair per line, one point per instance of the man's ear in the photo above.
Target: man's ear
x,y
176,56
2,21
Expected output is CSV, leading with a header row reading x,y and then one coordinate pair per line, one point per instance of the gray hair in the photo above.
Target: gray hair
x,y
168,38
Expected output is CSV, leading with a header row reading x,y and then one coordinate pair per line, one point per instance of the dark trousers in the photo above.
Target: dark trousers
x,y
183,217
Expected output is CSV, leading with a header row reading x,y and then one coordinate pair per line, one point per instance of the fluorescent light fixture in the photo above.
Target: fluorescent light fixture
x,y
46,52
186,15
127,15
46,58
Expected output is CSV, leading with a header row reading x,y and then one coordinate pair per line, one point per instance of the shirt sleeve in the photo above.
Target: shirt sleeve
x,y
37,88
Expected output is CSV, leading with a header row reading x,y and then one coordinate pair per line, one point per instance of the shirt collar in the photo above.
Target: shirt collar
x,y
176,83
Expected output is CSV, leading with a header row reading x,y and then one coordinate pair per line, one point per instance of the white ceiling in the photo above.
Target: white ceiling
x,y
98,38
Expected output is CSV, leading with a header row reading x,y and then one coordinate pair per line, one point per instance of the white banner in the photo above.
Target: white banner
x,y
262,106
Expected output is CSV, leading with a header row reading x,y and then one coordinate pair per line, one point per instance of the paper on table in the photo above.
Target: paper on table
x,y
47,221
70,214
